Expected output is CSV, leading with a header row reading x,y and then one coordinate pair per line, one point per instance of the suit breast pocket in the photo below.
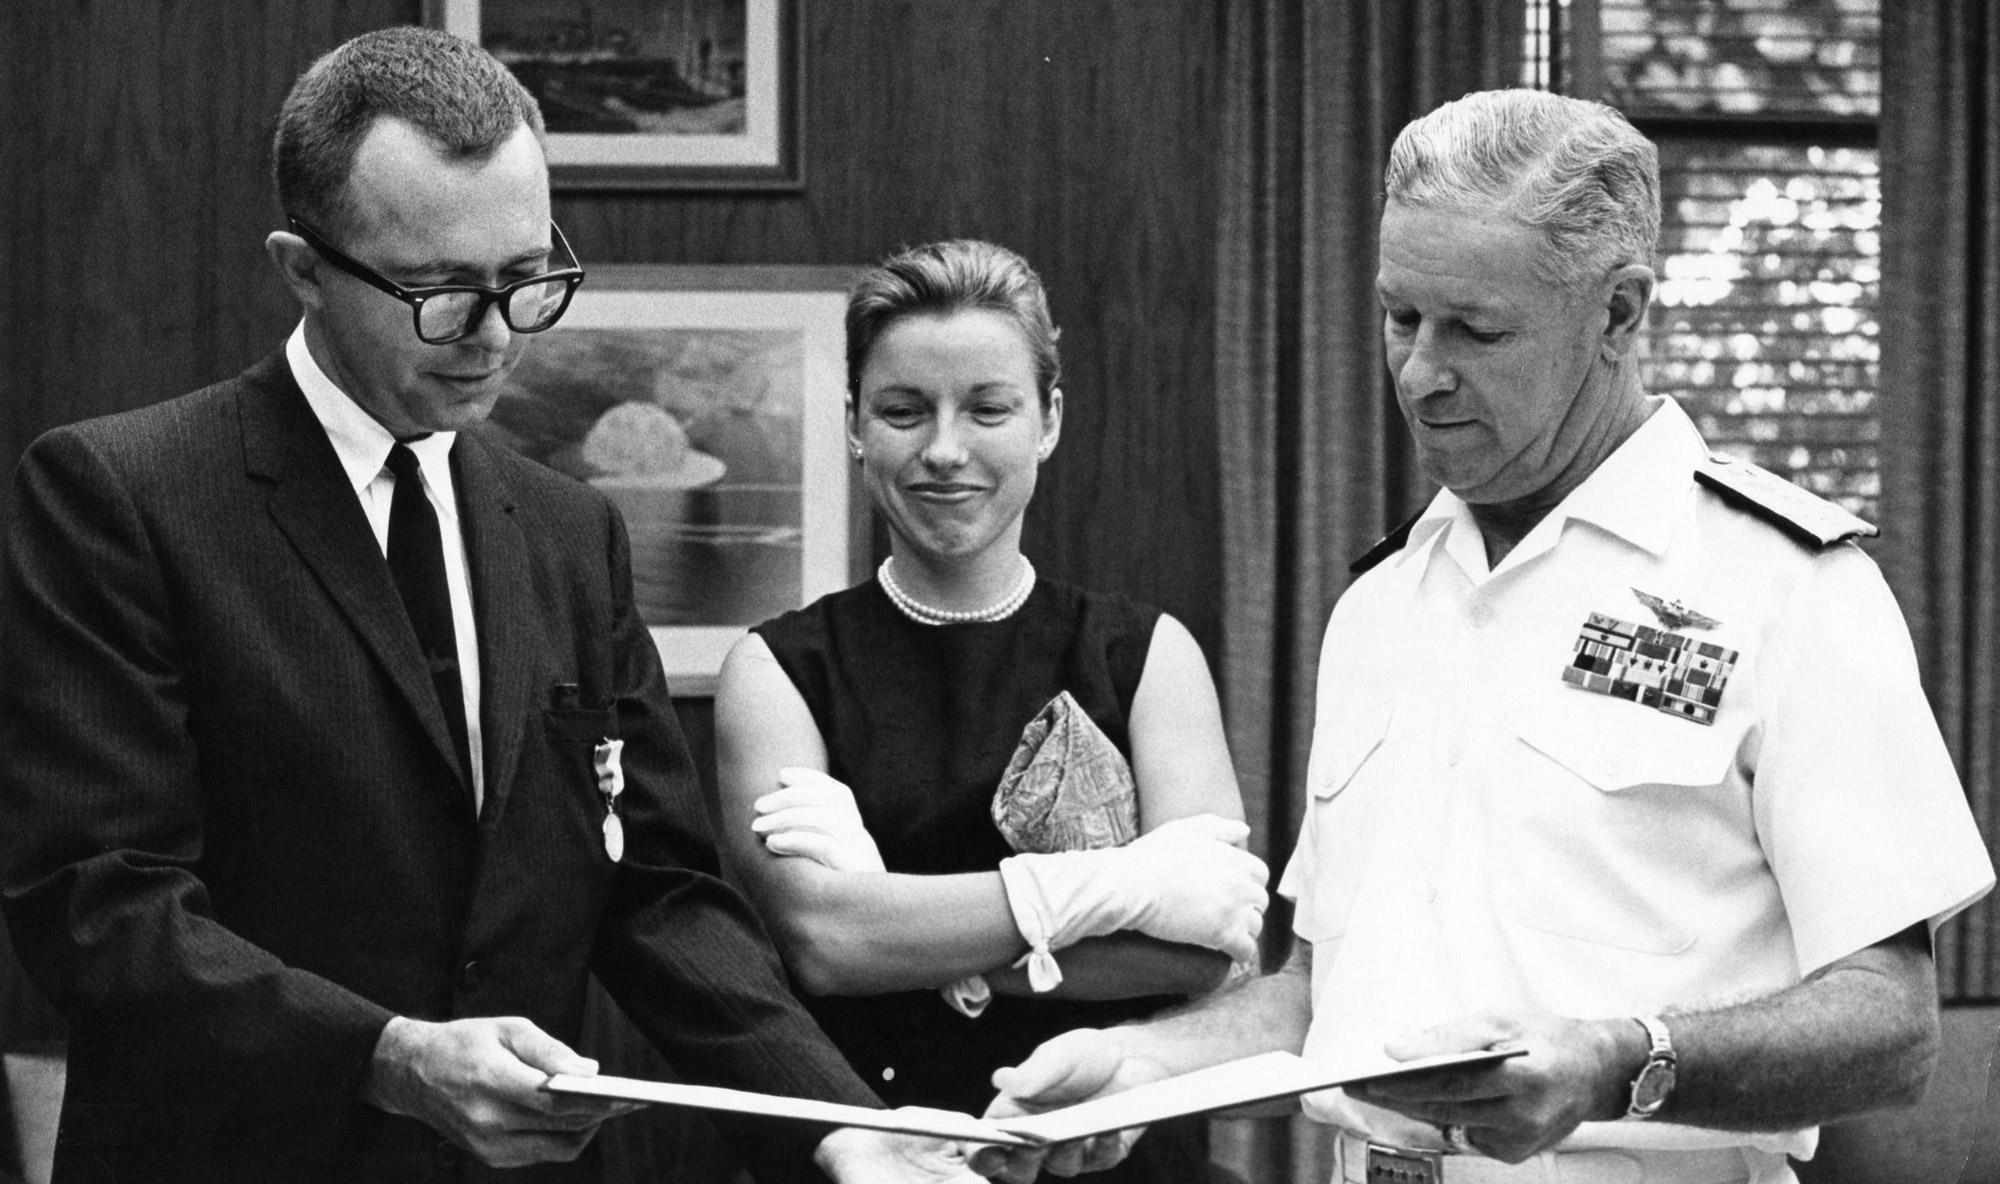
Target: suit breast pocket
x,y
588,775
580,725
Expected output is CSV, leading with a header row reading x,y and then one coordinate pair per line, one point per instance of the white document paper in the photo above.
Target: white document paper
x,y
915,1120
1219,1087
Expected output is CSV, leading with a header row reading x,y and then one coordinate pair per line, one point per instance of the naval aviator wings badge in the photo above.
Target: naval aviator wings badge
x,y
1673,614
1652,667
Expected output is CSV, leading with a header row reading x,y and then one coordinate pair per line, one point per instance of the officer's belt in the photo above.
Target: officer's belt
x,y
1363,1161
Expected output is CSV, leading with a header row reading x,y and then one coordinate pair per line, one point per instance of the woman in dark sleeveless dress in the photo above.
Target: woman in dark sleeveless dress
x,y
862,740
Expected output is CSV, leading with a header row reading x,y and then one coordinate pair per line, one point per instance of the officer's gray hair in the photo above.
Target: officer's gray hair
x,y
1573,169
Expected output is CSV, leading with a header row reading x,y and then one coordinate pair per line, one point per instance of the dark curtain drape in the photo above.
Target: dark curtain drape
x,y
1940,399
1315,461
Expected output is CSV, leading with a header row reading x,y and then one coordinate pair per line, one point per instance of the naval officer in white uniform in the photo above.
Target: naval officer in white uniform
x,y
1620,755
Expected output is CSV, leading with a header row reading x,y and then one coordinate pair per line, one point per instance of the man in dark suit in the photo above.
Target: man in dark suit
x,y
334,756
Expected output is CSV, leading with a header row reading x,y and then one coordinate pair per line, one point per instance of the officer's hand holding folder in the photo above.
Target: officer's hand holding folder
x,y
1219,1087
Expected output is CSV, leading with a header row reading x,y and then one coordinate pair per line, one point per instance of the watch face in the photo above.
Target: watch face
x,y
1650,1091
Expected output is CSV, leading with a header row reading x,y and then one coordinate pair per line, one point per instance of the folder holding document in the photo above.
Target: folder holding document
x,y
1219,1087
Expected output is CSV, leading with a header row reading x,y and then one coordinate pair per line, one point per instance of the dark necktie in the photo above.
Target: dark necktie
x,y
416,560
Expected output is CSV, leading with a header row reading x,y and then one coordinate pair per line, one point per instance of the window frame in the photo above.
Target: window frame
x,y
1570,61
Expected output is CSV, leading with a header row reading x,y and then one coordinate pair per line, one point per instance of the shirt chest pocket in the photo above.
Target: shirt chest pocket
x,y
1616,818
1614,745
1348,786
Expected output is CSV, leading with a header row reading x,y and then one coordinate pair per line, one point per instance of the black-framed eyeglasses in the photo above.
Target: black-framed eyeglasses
x,y
452,312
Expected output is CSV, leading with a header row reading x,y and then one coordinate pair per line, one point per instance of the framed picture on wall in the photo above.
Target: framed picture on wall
x,y
707,402
652,94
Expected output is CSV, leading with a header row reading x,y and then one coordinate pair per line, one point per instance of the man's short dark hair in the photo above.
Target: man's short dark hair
x,y
457,94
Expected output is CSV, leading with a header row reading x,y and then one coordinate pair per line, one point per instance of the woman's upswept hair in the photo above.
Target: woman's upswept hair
x,y
938,279
1573,169
446,87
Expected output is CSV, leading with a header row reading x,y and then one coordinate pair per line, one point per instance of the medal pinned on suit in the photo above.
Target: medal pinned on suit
x,y
611,783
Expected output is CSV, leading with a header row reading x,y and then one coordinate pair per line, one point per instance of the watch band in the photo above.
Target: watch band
x,y
1656,1032
1656,1078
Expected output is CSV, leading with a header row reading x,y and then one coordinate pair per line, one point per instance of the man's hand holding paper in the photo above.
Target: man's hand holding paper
x,y
1574,1072
1073,1067
853,1155
479,1083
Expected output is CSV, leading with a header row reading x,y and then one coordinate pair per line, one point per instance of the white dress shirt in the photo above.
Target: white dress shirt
x,y
363,446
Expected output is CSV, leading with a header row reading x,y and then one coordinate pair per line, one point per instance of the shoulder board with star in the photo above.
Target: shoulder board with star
x,y
1807,517
1388,545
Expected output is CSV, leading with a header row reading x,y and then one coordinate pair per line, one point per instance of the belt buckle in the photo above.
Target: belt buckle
x,y
1404,1165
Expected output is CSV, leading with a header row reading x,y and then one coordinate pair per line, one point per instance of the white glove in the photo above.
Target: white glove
x,y
814,816
1182,882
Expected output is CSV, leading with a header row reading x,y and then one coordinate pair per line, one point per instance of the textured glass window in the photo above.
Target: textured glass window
x,y
1742,57
1538,47
1764,323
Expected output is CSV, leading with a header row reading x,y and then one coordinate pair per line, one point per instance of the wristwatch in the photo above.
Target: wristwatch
x,y
1656,1079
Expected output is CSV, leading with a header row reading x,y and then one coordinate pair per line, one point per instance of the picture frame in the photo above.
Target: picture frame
x,y
653,94
708,402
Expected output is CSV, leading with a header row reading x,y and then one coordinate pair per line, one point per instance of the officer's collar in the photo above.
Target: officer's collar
x,y
1636,493
1639,493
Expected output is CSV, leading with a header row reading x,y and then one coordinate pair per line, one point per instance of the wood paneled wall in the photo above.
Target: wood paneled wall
x,y
1079,132
134,201
136,195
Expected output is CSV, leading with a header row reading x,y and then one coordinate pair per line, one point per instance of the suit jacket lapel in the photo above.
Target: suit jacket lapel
x,y
315,506
503,597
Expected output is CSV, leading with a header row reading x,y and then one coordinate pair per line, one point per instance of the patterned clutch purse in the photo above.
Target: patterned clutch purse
x,y
1067,787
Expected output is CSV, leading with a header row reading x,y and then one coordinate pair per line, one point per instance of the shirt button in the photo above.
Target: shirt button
x,y
1452,755
1482,615
468,977
1613,766
888,1073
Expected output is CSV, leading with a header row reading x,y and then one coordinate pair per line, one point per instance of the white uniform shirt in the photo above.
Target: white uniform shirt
x,y
1480,833
363,446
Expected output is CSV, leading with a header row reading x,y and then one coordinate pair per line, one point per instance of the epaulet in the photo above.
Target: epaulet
x,y
1804,515
1388,545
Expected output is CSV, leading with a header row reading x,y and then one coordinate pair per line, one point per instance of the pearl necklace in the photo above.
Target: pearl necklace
x,y
924,614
